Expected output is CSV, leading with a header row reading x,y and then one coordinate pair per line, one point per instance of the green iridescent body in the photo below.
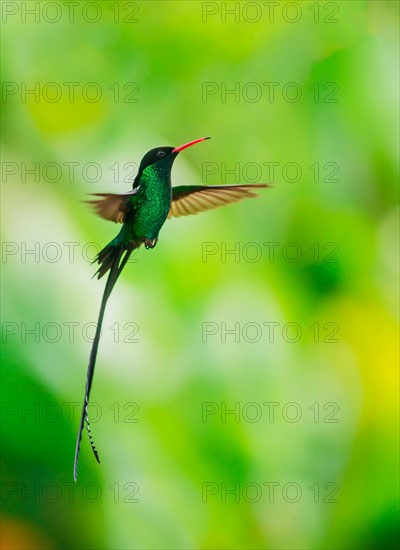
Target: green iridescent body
x,y
148,209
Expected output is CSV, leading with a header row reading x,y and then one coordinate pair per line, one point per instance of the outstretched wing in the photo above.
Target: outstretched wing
x,y
111,206
191,199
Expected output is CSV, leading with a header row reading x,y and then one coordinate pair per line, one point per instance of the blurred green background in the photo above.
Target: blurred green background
x,y
170,453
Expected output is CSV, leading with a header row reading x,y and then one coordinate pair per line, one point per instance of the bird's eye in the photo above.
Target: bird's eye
x,y
161,154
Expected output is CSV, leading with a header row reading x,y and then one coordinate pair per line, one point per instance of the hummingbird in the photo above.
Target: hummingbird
x,y
142,211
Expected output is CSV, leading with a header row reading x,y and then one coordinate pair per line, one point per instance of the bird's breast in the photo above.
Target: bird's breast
x,y
151,212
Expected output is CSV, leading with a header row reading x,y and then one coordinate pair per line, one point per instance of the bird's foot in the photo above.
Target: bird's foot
x,y
150,243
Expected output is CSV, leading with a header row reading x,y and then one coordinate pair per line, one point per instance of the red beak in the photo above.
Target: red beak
x,y
182,147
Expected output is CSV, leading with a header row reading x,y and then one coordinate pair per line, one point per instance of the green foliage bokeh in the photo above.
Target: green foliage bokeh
x,y
343,203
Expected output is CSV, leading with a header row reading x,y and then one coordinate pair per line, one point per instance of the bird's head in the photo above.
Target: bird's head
x,y
162,158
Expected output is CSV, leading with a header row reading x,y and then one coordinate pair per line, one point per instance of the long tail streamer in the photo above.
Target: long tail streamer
x,y
116,266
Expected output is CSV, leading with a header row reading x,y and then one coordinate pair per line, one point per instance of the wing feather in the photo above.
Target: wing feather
x,y
191,199
111,206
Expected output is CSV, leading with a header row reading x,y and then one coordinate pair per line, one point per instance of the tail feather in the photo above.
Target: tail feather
x,y
112,259
106,258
